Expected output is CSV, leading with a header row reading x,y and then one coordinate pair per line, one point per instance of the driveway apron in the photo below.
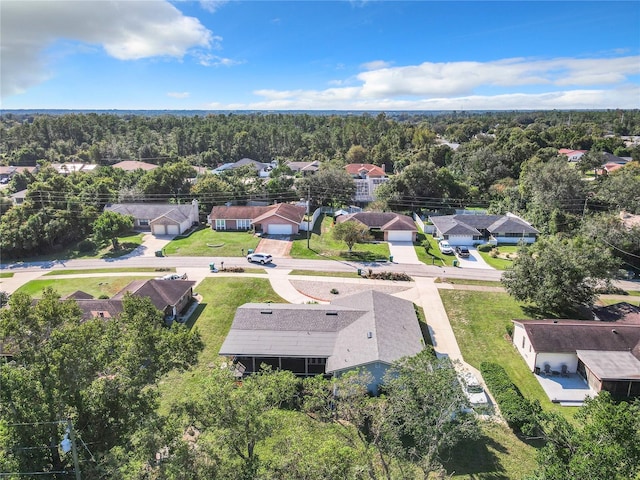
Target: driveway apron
x,y
403,252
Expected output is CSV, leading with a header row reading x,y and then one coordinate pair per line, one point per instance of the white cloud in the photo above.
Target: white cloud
x,y
210,60
212,5
375,65
178,94
596,83
127,30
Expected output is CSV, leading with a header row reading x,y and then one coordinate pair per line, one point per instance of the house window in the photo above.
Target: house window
x,y
221,224
523,340
243,224
317,361
143,222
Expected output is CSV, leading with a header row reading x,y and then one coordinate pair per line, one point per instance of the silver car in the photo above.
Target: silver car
x,y
259,258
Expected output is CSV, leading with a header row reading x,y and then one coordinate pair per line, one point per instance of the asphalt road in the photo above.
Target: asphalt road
x,y
287,263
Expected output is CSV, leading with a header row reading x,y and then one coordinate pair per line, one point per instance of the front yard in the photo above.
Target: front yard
x,y
207,242
322,244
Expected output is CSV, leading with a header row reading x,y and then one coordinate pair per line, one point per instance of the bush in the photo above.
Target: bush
x,y
509,328
485,247
518,412
334,291
233,270
402,277
86,246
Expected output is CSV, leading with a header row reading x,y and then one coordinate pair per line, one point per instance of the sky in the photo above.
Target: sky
x,y
319,55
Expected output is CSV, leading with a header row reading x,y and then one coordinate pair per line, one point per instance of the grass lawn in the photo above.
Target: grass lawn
x,y
500,262
479,320
159,270
468,281
128,243
6,274
221,297
315,273
207,242
435,256
95,286
324,245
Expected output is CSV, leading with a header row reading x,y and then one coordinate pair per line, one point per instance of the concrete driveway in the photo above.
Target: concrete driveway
x,y
150,244
475,260
277,245
403,252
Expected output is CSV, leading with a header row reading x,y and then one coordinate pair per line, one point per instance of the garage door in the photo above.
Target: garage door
x,y
400,236
173,229
280,229
158,230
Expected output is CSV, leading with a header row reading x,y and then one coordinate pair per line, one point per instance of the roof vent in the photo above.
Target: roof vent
x,y
332,312
613,330
369,334
266,312
555,321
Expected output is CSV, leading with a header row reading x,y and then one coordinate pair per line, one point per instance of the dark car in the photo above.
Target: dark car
x,y
462,252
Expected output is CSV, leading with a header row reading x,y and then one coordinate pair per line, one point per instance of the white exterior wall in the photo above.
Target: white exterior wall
x,y
527,352
513,240
555,360
456,240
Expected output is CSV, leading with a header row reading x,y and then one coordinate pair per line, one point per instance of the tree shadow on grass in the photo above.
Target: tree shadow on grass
x,y
195,315
477,459
579,313
359,256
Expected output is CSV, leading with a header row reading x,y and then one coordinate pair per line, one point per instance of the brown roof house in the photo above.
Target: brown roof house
x,y
605,354
395,227
160,218
171,297
279,219
368,330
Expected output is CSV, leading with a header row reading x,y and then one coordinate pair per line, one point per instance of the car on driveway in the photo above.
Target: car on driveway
x,y
259,258
445,247
473,390
462,251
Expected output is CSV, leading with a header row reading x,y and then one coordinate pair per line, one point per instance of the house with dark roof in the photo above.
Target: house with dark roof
x,y
171,297
394,226
159,218
367,178
279,219
606,354
469,229
368,330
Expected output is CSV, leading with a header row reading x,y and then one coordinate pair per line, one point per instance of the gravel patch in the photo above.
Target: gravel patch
x,y
322,290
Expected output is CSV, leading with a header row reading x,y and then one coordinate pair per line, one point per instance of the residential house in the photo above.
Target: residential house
x,y
18,197
368,331
606,354
160,218
367,178
73,167
394,226
279,219
172,297
572,155
8,171
132,165
474,229
304,168
262,169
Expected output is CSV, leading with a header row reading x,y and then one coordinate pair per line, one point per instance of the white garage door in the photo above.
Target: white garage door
x,y
400,236
173,229
280,229
158,230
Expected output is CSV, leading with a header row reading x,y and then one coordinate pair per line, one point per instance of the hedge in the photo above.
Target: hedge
x,y
519,413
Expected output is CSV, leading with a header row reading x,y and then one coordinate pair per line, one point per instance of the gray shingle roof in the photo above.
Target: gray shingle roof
x,y
382,220
152,211
163,293
366,327
472,224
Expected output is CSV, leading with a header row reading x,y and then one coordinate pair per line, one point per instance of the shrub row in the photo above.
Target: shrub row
x,y
519,413
403,277
485,247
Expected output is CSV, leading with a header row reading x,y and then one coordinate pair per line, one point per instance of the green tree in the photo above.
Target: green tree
x,y
560,276
351,232
604,442
109,225
103,375
328,186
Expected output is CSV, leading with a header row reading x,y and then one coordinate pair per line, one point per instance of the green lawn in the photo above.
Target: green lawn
x,y
435,256
6,274
210,243
159,271
468,281
315,273
500,262
479,320
221,297
95,286
322,244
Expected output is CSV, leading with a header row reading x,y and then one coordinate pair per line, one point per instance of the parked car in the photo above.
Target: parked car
x,y
473,390
259,258
462,251
445,247
174,276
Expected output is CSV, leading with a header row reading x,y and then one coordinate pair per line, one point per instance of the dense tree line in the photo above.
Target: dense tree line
x,y
507,161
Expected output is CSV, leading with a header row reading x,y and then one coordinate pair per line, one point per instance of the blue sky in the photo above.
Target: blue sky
x,y
313,55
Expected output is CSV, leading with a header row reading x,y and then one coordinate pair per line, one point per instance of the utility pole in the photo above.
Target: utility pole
x,y
74,450
308,210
